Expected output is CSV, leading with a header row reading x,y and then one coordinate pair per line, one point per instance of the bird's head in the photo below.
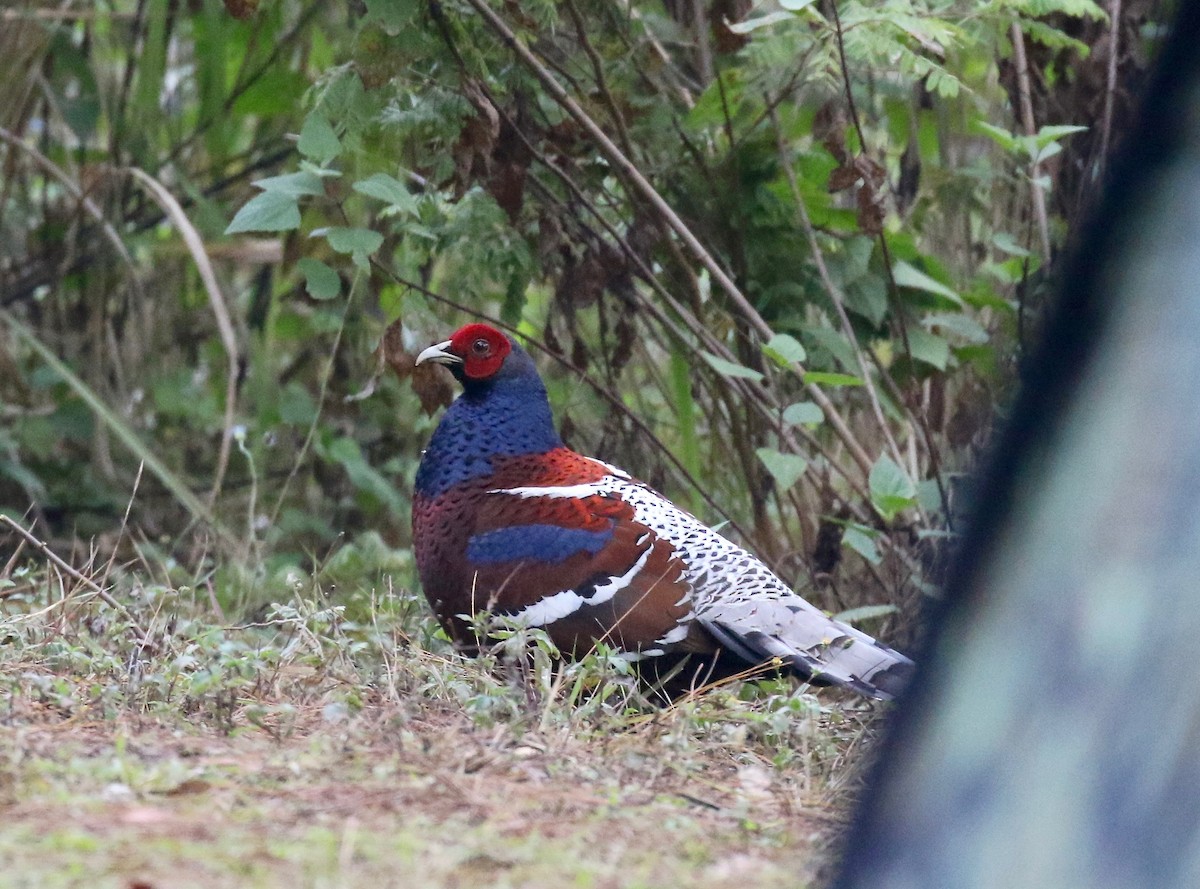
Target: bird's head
x,y
479,354
504,411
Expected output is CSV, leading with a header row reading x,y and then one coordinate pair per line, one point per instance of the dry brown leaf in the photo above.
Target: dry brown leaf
x,y
241,9
434,387
842,178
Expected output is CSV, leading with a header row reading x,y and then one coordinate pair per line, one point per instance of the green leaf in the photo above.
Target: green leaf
x,y
824,378
833,341
1008,244
784,349
686,413
296,406
928,348
347,452
868,297
761,21
854,616
729,369
803,413
1053,37
354,240
909,276
392,15
963,326
861,539
360,243
1048,152
320,280
318,141
785,468
1049,134
293,184
795,5
929,498
270,211
390,190
1001,137
891,489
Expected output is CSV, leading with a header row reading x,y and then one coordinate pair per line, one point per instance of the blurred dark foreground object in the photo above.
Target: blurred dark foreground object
x,y
1052,736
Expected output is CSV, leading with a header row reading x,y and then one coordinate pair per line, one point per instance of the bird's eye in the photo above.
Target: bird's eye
x,y
481,346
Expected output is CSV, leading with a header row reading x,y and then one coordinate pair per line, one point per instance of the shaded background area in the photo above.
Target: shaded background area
x,y
1050,737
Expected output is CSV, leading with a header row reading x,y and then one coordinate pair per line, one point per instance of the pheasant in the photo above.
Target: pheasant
x,y
508,520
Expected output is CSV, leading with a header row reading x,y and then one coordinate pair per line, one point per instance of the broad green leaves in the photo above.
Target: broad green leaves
x,y
318,142
360,243
803,413
786,469
861,539
729,369
907,275
271,211
829,378
928,348
277,208
366,478
784,350
320,280
392,15
1044,144
391,191
892,491
293,185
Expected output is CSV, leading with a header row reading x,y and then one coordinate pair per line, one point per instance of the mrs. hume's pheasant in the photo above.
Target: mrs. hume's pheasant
x,y
508,520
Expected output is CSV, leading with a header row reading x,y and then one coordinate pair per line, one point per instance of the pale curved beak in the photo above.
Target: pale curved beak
x,y
439,354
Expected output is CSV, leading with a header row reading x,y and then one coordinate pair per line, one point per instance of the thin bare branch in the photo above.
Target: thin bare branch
x,y
216,299
1037,193
643,186
56,172
102,594
898,321
326,376
834,292
614,110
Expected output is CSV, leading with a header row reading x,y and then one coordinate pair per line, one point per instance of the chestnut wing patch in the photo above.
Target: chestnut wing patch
x,y
582,569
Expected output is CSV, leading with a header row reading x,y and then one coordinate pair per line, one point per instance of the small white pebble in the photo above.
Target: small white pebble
x,y
116,792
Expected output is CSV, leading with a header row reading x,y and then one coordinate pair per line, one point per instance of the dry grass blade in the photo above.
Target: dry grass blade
x,y
102,594
56,172
216,299
170,480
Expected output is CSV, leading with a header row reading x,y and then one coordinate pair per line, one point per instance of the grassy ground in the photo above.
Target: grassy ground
x,y
334,740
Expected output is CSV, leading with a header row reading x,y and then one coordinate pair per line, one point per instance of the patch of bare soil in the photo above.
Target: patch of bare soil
x,y
396,800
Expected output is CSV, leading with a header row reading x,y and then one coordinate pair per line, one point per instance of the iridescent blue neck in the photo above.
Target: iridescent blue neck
x,y
505,417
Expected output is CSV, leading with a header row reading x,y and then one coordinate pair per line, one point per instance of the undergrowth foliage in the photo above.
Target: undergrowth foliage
x,y
776,261
172,658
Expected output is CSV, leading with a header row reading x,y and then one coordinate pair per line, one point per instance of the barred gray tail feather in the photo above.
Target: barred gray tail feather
x,y
812,645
